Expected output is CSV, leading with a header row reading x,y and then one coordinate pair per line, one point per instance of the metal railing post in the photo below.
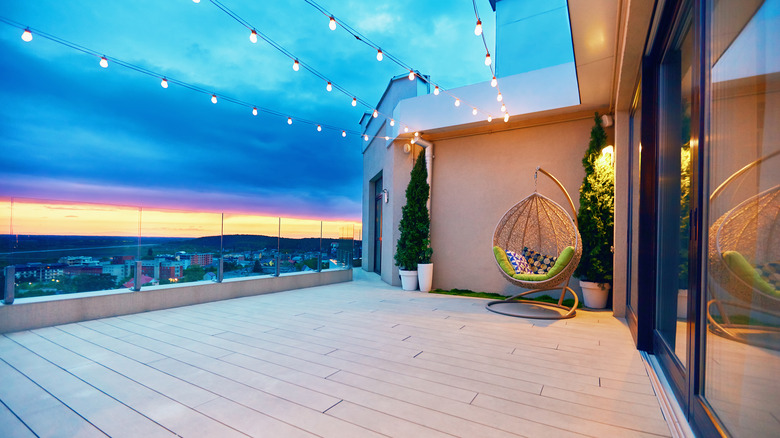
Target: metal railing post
x,y
10,280
137,278
221,270
276,271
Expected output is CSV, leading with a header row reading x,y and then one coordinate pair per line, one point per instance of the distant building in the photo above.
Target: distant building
x,y
199,259
83,270
39,271
79,260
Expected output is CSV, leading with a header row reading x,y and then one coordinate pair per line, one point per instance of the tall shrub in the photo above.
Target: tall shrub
x,y
414,242
597,210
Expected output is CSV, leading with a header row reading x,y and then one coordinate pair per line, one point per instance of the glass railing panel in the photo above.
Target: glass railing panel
x,y
60,247
179,246
300,246
250,243
340,236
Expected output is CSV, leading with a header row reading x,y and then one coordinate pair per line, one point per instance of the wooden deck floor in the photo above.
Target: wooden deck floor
x,y
358,359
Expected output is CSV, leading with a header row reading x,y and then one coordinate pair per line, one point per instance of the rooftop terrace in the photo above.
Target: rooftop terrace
x,y
356,359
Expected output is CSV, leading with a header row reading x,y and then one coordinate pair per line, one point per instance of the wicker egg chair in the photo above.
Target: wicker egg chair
x,y
741,241
541,225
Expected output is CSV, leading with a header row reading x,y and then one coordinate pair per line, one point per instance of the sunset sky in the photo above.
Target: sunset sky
x,y
73,131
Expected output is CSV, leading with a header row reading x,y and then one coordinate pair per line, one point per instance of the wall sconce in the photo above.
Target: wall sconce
x,y
385,195
606,120
407,148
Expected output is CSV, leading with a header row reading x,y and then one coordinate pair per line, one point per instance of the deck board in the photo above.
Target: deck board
x,y
358,359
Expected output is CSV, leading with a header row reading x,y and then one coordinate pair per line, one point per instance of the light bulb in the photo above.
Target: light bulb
x,y
506,117
289,120
27,36
474,111
457,102
253,36
499,97
416,134
490,119
503,107
296,65
343,133
103,62
164,83
478,28
379,56
332,24
354,101
329,87
387,138
411,75
493,82
375,114
196,1
406,129
254,111
365,137
487,59
213,98
392,122
436,90
319,128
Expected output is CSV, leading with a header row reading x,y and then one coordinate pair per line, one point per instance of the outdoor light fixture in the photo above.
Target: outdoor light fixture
x,y
375,114
296,65
490,119
416,134
506,117
503,107
606,120
499,97
457,102
196,1
332,24
478,28
354,101
253,36
493,82
343,133
379,56
27,36
329,87
407,148
474,111
487,59
411,75
319,128
254,111
213,98
392,122
387,138
103,62
385,196
289,120
436,90
365,137
164,83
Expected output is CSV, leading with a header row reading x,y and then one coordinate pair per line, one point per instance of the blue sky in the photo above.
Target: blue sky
x,y
70,130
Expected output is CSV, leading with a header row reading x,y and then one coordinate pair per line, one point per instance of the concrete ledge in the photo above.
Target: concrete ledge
x,y
32,313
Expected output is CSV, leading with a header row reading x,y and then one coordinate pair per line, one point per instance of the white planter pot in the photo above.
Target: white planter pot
x,y
408,280
425,276
682,304
594,295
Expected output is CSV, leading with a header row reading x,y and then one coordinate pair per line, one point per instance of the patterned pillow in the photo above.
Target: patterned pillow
x,y
771,273
538,262
518,262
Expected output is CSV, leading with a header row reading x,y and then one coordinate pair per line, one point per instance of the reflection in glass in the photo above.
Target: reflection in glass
x,y
635,164
743,299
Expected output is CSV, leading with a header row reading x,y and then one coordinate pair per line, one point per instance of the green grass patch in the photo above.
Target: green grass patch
x,y
470,293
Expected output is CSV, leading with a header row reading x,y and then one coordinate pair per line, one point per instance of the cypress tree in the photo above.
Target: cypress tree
x,y
597,210
413,244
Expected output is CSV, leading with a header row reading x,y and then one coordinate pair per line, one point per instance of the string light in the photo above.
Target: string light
x,y
253,36
164,83
490,119
499,97
289,120
319,128
503,107
254,111
392,122
379,56
332,24
365,137
506,117
354,101
436,90
196,1
375,114
474,111
27,36
411,75
416,134
406,129
493,82
487,59
387,138
296,65
213,98
457,102
329,87
478,28
103,62
343,133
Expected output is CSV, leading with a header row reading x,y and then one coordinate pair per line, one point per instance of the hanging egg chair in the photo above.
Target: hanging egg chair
x,y
537,246
744,261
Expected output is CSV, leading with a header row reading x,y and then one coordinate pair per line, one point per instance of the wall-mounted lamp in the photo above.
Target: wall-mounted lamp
x,y
385,195
606,120
407,148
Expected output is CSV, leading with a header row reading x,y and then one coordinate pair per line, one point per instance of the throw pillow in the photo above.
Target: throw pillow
x,y
538,262
518,262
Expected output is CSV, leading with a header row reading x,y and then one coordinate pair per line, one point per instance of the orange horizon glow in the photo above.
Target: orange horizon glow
x,y
31,217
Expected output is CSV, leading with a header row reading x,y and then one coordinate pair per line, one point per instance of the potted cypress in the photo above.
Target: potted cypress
x,y
596,219
413,244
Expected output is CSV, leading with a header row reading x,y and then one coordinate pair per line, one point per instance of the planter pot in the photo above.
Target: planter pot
x,y
594,294
682,304
425,276
408,280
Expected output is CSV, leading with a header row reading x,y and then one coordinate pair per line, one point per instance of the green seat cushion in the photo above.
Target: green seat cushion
x,y
531,277
503,261
563,259
747,273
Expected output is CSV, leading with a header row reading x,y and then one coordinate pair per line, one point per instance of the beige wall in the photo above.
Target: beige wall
x,y
477,178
